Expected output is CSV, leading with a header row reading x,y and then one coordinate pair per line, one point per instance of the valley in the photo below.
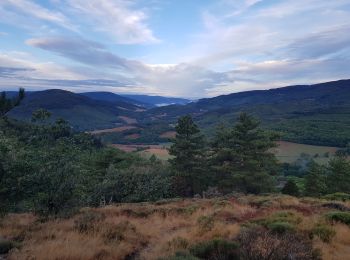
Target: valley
x,y
315,115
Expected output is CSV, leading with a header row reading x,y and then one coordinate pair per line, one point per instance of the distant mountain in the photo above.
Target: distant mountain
x,y
158,100
114,98
310,114
314,114
81,112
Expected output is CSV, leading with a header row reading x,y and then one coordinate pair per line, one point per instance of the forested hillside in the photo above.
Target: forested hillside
x,y
310,114
81,112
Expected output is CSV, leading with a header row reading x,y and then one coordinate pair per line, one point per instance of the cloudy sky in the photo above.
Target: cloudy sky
x,y
187,48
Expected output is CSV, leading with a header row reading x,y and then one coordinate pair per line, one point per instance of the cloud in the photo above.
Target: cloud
x,y
84,51
118,18
18,12
323,43
179,80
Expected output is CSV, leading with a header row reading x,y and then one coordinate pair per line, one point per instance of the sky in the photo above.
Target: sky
x,y
183,48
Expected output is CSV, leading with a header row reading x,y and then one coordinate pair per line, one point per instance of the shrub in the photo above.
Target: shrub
x,y
338,216
216,249
324,232
262,244
279,222
291,188
337,196
336,206
6,245
86,222
281,227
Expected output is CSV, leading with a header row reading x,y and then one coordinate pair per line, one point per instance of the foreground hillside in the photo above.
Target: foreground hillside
x,y
235,227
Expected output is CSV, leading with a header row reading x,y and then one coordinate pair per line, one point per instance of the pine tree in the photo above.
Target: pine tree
x,y
7,104
242,158
188,150
338,179
315,180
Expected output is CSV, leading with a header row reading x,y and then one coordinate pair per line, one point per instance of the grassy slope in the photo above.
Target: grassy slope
x,y
290,152
152,230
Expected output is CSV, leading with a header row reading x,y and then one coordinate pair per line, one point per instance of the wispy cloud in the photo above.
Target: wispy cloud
x,y
81,50
118,18
13,11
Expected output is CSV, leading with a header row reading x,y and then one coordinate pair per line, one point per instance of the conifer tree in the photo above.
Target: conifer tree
x,y
315,180
338,179
7,104
242,157
188,150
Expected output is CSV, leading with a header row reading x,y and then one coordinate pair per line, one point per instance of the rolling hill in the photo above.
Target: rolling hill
x,y
311,114
115,98
158,101
80,111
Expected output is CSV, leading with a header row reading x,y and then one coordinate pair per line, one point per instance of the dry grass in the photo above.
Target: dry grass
x,y
153,230
111,130
128,120
169,134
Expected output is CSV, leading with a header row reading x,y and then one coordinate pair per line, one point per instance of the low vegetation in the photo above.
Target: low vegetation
x,y
231,227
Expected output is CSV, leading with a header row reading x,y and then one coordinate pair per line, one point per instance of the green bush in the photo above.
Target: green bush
x,y
6,245
324,232
337,196
280,221
281,227
291,188
215,249
338,216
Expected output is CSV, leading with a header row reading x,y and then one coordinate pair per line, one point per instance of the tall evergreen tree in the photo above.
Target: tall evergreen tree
x,y
315,180
338,179
7,104
188,151
242,158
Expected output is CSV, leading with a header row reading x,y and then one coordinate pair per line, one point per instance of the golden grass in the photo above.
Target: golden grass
x,y
168,134
153,230
112,130
128,120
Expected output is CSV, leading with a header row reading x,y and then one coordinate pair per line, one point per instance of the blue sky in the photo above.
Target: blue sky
x,y
187,48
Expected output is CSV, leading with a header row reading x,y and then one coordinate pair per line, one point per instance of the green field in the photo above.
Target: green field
x,y
289,152
286,152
